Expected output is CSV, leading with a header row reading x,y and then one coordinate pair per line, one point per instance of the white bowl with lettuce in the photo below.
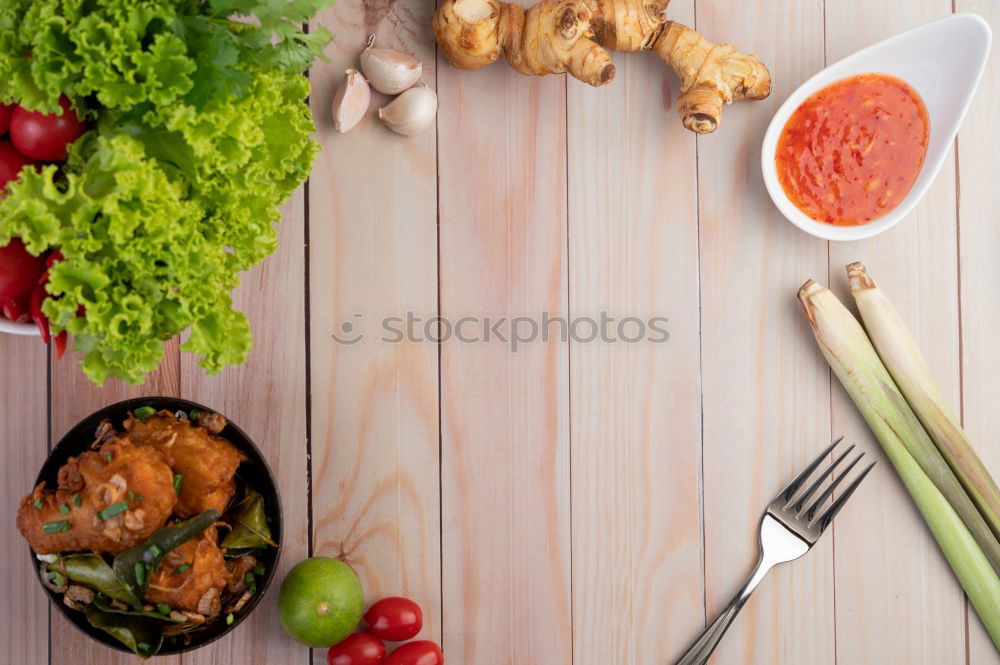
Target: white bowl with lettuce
x,y
200,131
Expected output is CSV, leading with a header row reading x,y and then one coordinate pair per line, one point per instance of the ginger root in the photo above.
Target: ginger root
x,y
559,36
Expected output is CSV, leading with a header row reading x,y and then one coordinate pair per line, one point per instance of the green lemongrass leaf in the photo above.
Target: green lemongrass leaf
x,y
899,352
250,527
92,571
134,567
850,354
139,634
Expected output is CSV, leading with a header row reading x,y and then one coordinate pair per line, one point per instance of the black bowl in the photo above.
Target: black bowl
x,y
255,472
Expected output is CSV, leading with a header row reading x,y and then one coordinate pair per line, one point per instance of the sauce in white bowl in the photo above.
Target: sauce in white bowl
x,y
942,61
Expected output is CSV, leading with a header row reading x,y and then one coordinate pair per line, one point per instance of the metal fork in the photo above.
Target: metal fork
x,y
788,530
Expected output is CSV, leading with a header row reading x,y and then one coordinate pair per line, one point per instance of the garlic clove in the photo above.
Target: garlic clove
x,y
390,72
410,113
351,101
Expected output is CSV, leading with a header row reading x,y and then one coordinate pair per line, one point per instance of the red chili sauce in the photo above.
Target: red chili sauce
x,y
852,151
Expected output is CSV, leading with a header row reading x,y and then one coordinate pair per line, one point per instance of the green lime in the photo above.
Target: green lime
x,y
320,602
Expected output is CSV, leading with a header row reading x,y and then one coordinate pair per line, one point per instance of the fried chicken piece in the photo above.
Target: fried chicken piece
x,y
203,577
207,463
118,476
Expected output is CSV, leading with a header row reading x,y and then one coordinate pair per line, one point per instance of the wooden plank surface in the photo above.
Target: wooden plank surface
x,y
912,576
979,272
24,415
266,397
635,406
504,414
573,503
766,400
373,254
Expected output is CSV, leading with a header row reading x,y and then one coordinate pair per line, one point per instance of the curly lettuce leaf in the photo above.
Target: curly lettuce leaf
x,y
176,189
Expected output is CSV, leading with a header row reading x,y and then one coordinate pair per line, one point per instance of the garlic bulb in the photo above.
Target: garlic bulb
x,y
410,113
390,72
351,101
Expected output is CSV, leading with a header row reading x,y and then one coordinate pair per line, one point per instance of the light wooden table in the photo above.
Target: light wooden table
x,y
574,503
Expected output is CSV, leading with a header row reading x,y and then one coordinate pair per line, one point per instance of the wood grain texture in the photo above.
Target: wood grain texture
x,y
24,415
634,407
266,398
912,576
373,255
504,414
766,396
979,272
573,503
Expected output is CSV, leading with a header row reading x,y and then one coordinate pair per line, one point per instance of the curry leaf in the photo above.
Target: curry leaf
x,y
250,528
133,567
91,571
105,606
137,633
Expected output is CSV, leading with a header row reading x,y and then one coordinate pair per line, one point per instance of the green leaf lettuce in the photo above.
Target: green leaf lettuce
x,y
200,132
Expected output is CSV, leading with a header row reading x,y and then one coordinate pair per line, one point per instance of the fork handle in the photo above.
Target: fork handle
x,y
701,650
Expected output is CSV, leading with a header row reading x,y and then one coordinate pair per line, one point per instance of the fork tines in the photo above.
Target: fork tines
x,y
793,505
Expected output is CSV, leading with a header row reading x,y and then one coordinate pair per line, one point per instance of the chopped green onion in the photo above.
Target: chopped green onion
x,y
56,578
38,504
248,578
62,526
153,551
259,570
163,609
140,573
178,481
77,500
131,495
64,509
138,497
144,412
194,415
252,588
142,646
181,569
113,509
229,619
107,457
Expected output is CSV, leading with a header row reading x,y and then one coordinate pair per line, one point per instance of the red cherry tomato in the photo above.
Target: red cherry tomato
x,y
11,163
357,649
19,271
395,619
45,136
421,652
5,112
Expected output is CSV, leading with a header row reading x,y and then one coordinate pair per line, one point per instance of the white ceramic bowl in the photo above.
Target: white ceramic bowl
x,y
12,328
942,60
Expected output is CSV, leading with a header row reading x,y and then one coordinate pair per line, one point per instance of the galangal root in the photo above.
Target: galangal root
x,y
559,36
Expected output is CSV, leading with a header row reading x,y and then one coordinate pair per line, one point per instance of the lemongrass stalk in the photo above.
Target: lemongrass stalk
x,y
885,408
901,356
850,354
